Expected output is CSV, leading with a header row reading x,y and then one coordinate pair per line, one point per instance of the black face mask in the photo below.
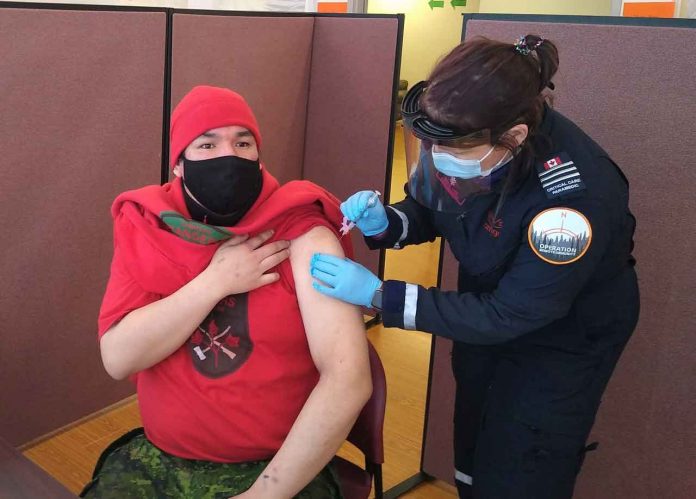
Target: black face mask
x,y
220,191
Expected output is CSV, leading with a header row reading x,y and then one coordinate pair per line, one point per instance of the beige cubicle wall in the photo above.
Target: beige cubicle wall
x,y
632,88
86,97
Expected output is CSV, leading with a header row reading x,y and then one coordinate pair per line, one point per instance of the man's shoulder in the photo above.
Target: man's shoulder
x,y
316,235
147,197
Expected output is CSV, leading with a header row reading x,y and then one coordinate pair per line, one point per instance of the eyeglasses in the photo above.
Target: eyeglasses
x,y
425,128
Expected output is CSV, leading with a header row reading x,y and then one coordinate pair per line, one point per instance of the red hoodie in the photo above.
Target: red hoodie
x,y
232,392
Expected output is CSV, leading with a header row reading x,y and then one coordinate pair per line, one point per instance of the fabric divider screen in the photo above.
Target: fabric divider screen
x,y
322,88
350,117
84,118
631,87
265,59
81,106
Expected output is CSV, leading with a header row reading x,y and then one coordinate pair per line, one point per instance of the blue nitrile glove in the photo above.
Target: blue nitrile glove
x,y
347,280
366,210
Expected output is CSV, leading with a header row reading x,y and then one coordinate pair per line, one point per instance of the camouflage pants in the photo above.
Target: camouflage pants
x,y
132,467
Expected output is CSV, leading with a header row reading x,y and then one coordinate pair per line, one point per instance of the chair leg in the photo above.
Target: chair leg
x,y
378,481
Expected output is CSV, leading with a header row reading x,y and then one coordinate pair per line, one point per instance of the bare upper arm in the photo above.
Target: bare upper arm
x,y
335,329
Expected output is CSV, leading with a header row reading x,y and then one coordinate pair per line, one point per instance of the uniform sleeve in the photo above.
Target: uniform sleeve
x,y
532,293
123,295
409,223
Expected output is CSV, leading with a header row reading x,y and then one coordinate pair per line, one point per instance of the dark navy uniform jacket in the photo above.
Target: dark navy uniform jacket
x,y
562,284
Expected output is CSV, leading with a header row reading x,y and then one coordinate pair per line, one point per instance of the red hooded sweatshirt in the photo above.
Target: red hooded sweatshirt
x,y
232,392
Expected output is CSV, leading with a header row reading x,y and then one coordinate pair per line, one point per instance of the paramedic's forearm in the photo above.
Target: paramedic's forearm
x,y
149,334
318,432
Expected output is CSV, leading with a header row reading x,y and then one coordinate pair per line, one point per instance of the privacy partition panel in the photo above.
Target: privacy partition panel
x,y
85,99
267,60
632,88
322,88
81,120
351,96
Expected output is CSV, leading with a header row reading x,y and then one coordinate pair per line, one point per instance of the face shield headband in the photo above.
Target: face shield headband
x,y
431,186
423,127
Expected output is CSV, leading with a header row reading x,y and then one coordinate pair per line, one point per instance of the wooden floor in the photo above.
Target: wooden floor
x,y
70,455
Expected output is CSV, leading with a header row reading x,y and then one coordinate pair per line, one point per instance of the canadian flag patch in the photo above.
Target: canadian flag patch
x,y
552,163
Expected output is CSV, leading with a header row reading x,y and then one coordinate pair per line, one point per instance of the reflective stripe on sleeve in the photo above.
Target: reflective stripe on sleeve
x,y
404,223
410,306
463,477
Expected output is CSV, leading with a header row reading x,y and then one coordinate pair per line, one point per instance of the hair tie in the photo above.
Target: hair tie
x,y
524,49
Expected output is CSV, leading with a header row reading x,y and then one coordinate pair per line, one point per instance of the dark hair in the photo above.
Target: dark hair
x,y
484,84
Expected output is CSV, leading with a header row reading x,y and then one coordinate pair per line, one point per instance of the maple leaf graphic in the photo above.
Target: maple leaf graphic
x,y
212,329
197,338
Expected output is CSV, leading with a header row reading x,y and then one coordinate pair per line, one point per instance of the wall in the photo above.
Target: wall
x,y
559,7
428,33
431,33
688,9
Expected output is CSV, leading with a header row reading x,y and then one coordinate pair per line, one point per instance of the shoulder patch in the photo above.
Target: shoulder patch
x,y
560,235
559,176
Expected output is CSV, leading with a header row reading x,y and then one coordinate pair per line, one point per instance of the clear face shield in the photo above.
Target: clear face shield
x,y
431,187
425,141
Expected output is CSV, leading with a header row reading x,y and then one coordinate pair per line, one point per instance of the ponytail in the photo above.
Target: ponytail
x,y
545,54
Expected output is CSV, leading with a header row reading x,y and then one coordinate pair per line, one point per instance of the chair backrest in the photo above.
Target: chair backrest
x,y
367,433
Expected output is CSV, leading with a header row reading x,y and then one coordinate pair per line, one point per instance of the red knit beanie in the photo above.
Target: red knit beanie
x,y
204,108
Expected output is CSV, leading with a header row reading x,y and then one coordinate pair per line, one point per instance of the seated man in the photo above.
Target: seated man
x,y
248,379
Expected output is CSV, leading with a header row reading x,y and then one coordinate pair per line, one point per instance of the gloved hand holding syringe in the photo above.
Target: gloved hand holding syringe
x,y
341,277
365,210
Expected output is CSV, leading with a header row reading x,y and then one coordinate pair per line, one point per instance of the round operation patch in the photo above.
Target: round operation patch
x,y
560,235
